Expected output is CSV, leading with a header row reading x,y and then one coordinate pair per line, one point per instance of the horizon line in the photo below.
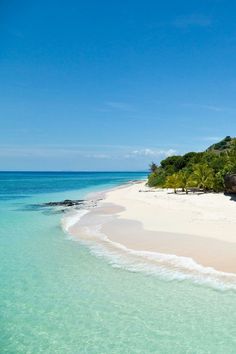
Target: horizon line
x,y
76,171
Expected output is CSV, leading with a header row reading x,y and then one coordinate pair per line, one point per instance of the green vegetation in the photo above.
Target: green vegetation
x,y
202,170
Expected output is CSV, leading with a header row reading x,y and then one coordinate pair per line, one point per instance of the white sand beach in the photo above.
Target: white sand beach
x,y
200,226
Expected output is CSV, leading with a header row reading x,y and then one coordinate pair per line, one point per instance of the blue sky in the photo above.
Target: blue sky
x,y
102,85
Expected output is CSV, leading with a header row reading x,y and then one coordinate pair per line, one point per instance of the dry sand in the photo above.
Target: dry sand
x,y
200,226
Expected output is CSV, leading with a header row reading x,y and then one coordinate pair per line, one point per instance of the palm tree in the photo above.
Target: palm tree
x,y
202,176
184,180
173,181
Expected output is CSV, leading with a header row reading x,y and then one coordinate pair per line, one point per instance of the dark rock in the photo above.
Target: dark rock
x,y
230,183
65,203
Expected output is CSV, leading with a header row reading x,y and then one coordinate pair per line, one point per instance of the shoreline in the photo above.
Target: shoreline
x,y
198,228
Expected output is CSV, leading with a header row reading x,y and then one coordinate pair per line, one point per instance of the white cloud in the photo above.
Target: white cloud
x,y
146,152
100,153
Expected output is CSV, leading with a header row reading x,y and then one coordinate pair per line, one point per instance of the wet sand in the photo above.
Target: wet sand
x,y
202,227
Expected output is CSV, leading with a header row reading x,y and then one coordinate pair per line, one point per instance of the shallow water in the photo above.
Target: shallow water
x,y
57,297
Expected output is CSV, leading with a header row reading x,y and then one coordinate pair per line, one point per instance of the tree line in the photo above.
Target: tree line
x,y
196,170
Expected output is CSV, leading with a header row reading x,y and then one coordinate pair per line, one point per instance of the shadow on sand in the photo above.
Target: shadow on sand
x,y
232,196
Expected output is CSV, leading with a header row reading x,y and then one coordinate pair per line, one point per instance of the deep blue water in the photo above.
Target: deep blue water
x,y
28,183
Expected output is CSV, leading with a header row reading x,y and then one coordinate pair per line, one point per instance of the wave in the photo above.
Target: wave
x,y
71,218
168,267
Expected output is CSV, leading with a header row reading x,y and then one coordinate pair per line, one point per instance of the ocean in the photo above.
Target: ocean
x,y
59,297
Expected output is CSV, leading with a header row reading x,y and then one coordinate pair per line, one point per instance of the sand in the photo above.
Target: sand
x,y
199,226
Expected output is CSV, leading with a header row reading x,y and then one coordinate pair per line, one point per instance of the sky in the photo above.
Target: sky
x,y
114,85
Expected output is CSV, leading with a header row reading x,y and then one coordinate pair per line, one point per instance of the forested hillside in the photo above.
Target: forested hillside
x,y
204,170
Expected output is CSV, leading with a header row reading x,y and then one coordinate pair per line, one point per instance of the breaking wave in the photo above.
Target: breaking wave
x,y
165,266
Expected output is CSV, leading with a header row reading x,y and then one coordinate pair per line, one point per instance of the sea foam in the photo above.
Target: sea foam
x,y
71,218
168,267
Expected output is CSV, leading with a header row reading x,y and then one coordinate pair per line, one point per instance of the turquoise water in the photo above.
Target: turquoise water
x,y
56,297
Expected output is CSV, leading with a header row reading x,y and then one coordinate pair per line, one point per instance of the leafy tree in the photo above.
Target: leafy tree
x,y
219,183
187,158
184,180
172,163
202,177
205,169
173,182
157,178
232,154
153,167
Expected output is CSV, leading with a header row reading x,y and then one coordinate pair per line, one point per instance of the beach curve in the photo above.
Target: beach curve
x,y
125,229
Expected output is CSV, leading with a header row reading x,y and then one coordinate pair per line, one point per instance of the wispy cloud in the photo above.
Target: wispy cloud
x,y
192,20
115,152
146,152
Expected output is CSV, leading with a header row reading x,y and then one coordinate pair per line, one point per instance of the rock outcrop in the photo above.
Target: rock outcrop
x,y
65,203
230,183
68,203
